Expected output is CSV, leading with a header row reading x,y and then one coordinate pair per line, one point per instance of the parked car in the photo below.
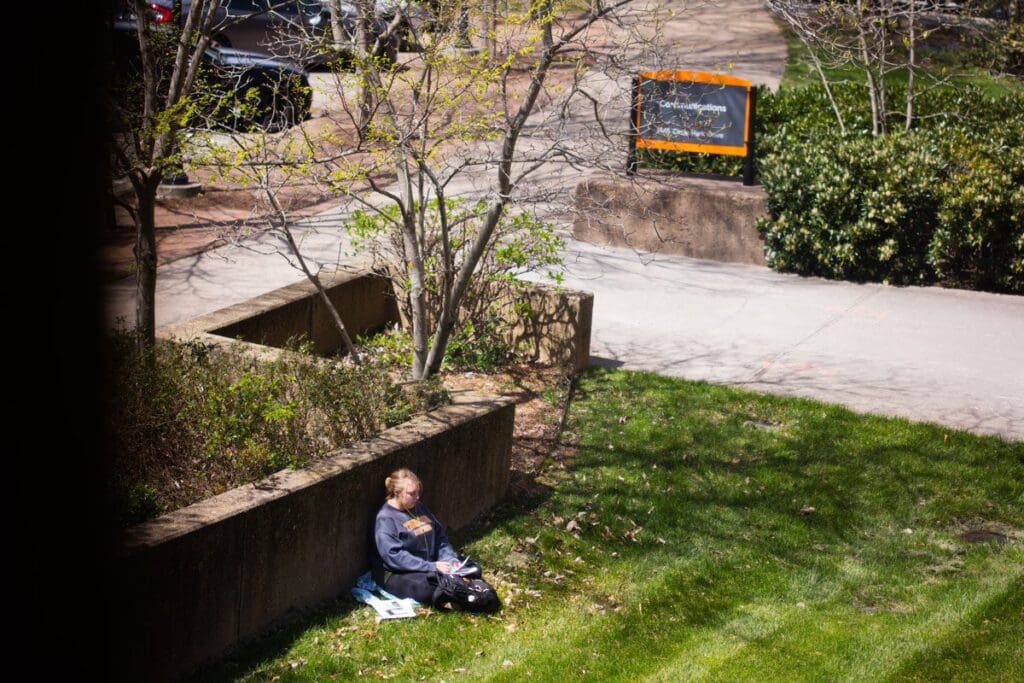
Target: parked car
x,y
238,90
252,91
299,30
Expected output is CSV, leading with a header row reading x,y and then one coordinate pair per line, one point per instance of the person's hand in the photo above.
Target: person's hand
x,y
445,567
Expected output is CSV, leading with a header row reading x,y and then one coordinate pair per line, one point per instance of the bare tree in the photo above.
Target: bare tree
x,y
454,97
448,147
877,37
151,117
155,97
268,162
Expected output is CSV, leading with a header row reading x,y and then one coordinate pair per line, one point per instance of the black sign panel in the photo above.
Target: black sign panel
x,y
694,115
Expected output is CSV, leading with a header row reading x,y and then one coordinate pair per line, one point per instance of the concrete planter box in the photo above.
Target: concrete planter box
x,y
557,332
193,584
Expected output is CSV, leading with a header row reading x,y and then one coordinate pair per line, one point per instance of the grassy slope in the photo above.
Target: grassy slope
x,y
698,556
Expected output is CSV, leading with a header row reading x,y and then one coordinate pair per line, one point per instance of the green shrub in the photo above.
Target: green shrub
x,y
391,348
939,204
135,503
479,344
521,243
853,208
1007,49
189,421
979,239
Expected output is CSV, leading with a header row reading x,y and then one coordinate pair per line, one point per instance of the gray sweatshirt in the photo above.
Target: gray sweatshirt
x,y
409,540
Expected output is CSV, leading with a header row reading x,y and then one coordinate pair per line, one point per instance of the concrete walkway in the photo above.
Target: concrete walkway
x,y
951,357
946,356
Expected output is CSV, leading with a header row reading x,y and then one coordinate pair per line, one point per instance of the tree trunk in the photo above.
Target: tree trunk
x,y
413,266
828,90
145,260
417,298
911,63
881,54
339,324
490,27
364,10
446,321
338,34
866,64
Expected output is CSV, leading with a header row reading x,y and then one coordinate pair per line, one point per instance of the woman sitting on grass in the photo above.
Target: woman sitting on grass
x,y
412,557
410,546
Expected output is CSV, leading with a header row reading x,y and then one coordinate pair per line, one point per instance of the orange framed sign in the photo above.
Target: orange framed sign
x,y
692,111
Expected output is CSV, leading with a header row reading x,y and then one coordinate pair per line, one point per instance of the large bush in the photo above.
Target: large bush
x,y
853,208
941,203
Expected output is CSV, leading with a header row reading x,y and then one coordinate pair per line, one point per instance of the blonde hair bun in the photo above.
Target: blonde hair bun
x,y
397,481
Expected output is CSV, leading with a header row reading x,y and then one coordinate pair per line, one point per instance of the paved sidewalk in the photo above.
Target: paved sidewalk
x,y
947,356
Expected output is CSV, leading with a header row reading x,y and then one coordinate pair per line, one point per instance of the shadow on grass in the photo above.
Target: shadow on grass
x,y
272,644
990,649
822,478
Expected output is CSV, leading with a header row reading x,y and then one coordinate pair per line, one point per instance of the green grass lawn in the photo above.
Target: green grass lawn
x,y
707,532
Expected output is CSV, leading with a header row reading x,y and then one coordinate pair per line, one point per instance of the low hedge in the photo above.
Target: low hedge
x,y
940,204
188,421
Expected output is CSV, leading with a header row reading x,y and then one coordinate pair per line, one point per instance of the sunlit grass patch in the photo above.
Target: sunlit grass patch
x,y
706,532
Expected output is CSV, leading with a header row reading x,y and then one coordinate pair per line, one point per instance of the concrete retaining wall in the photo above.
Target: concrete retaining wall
x,y
197,581
698,217
556,329
554,326
363,300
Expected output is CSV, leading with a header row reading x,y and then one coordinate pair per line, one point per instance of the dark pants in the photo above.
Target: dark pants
x,y
415,585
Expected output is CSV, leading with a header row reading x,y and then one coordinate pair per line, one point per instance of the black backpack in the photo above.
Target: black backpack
x,y
464,594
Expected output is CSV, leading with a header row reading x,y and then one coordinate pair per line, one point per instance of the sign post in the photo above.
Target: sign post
x,y
748,162
634,128
693,111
